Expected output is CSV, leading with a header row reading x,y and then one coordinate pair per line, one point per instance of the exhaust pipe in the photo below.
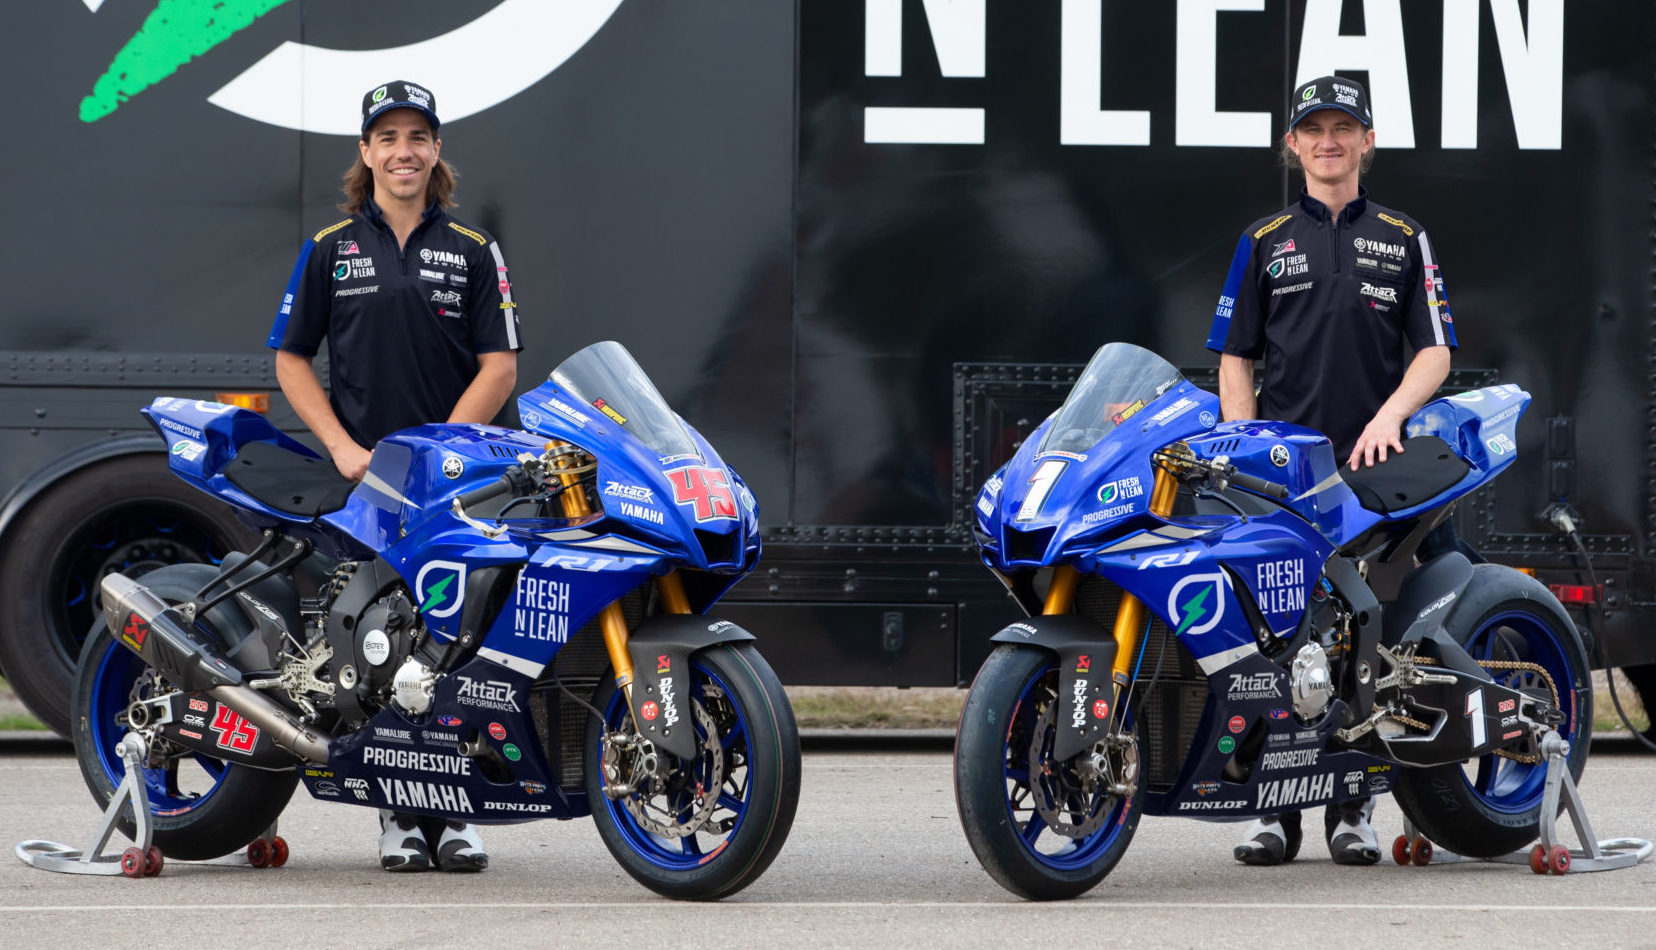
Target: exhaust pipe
x,y
160,635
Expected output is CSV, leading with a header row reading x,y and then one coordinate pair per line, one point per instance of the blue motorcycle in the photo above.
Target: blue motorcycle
x,y
492,626
1225,624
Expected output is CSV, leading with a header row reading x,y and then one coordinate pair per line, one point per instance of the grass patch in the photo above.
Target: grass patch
x,y
876,707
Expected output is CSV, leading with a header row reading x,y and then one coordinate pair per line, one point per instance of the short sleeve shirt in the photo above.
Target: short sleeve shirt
x,y
404,325
1332,304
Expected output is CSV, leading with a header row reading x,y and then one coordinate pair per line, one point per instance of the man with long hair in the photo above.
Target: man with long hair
x,y
1333,292
421,327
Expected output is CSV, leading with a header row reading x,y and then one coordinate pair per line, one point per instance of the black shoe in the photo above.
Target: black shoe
x,y
459,848
402,846
1271,840
1351,837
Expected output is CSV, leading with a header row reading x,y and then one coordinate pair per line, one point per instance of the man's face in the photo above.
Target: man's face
x,y
401,151
1330,144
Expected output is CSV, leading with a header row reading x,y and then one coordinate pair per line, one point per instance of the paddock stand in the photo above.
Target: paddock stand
x,y
144,858
141,860
1550,853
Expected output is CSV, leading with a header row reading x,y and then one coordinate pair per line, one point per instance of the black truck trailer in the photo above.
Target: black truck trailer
x,y
864,245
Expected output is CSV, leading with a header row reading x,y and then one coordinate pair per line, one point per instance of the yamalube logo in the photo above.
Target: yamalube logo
x,y
475,66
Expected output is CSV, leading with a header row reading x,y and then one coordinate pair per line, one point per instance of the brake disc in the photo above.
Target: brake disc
x,y
675,800
1071,797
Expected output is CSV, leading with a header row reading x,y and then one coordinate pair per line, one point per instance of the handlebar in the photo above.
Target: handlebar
x,y
1252,483
513,481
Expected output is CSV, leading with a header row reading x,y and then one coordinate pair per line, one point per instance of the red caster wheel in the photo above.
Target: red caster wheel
x,y
1559,859
258,853
1400,850
1538,859
132,862
1421,852
153,861
278,851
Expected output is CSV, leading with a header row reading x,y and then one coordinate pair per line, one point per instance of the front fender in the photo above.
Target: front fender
x,y
660,649
1086,653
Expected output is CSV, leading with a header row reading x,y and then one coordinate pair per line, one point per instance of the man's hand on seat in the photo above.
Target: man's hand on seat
x,y
1383,431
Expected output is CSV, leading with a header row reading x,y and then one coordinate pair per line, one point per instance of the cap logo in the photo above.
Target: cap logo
x,y
1306,97
379,93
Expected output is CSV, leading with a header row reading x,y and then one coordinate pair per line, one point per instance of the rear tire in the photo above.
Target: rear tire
x,y
1491,806
129,514
200,807
993,791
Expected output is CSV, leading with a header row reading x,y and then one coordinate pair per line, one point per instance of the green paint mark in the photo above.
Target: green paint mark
x,y
174,33
1194,610
438,595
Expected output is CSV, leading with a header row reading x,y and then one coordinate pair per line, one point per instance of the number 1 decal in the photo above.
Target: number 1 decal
x,y
1040,486
1474,711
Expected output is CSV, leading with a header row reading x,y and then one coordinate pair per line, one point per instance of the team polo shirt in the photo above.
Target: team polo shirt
x,y
1333,304
404,324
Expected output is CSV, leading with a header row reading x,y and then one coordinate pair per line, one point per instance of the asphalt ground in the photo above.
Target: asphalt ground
x,y
876,859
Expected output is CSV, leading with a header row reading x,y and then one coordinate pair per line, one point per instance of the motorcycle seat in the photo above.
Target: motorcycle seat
x,y
287,481
1426,467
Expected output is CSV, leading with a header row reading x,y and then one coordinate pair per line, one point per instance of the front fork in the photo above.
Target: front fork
x,y
613,623
1129,621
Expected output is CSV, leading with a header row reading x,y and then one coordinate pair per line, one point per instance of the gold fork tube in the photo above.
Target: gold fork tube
x,y
671,588
610,619
1060,598
1130,615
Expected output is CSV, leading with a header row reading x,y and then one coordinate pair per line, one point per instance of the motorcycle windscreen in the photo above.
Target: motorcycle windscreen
x,y
605,377
1120,380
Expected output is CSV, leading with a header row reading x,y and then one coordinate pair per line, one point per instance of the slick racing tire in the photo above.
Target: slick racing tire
x,y
996,785
703,828
1491,806
200,807
128,514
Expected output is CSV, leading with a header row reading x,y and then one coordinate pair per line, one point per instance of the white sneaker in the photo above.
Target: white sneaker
x,y
402,846
1351,837
1270,840
460,848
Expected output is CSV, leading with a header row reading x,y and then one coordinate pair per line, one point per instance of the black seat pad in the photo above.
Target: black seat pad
x,y
1425,468
287,481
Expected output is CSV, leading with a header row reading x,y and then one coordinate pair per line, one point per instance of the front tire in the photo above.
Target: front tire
x,y
997,784
200,807
1491,806
707,827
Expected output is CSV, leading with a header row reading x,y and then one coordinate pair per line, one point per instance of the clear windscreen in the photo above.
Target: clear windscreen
x,y
609,383
1120,380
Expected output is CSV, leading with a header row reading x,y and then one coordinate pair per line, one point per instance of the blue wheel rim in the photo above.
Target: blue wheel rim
x,y
1505,785
117,671
696,849
1033,832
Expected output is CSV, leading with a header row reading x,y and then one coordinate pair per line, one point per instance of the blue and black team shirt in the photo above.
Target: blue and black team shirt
x,y
1332,304
403,325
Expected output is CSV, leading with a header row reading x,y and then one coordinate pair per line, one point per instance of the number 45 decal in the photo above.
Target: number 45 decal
x,y
234,732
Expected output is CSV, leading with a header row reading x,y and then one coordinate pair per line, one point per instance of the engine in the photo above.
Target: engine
x,y
1312,673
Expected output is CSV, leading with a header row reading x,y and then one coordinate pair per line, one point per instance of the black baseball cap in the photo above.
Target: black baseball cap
x,y
398,94
1330,92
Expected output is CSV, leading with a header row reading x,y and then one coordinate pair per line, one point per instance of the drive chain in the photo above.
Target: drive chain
x,y
1492,665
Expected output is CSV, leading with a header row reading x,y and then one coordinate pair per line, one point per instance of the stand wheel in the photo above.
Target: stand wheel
x,y
153,861
1538,859
278,851
132,862
1559,858
258,853
1421,852
1400,850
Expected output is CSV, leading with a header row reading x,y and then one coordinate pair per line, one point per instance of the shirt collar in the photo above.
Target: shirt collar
x,y
371,211
1319,211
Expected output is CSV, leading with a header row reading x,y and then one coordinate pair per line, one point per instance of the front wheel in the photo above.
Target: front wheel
x,y
1043,829
1491,805
706,827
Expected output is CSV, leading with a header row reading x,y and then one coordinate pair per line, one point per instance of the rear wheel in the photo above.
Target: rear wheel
x,y
1491,805
128,514
1043,829
706,827
200,807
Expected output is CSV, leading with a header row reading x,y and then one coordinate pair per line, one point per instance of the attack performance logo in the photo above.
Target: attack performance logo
x,y
1197,603
441,588
475,66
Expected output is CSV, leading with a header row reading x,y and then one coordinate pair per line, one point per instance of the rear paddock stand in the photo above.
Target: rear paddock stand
x,y
1550,854
142,860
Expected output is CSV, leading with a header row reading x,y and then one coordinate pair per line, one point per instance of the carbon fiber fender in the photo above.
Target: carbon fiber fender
x,y
1086,652
661,648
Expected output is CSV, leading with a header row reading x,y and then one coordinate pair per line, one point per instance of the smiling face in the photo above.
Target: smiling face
x,y
401,151
1330,144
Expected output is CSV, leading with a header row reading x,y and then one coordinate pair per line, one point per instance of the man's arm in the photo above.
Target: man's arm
x,y
297,377
1236,388
1426,373
490,388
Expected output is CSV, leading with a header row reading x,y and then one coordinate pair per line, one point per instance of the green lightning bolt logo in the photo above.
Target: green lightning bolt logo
x,y
1194,610
438,594
1205,605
